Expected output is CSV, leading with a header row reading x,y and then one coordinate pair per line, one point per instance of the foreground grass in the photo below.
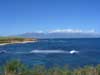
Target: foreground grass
x,y
15,67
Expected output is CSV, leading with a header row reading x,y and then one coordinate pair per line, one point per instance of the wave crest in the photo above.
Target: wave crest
x,y
43,52
54,51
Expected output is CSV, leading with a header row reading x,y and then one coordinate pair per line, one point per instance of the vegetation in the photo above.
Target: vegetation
x,y
15,67
14,39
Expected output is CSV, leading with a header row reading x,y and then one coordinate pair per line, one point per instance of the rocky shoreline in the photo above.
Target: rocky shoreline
x,y
7,41
18,43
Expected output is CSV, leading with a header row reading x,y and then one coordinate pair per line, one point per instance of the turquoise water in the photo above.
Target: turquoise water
x,y
54,52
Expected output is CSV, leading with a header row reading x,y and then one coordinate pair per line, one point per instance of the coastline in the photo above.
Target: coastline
x,y
2,44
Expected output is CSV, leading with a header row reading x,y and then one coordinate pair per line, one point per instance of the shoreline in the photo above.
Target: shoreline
x,y
17,43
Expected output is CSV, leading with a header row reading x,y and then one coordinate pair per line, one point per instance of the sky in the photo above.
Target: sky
x,y
21,16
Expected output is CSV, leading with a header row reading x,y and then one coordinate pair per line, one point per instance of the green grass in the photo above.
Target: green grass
x,y
15,67
9,37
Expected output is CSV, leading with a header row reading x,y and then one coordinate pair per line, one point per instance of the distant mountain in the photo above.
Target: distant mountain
x,y
60,35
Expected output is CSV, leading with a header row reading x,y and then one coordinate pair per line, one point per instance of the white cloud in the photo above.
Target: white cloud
x,y
39,31
72,31
67,31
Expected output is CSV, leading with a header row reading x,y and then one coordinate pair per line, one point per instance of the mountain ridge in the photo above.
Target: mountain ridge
x,y
59,35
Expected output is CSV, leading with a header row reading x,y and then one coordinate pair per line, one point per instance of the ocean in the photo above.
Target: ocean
x,y
51,52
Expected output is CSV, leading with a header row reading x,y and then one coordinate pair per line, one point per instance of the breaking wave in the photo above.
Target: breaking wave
x,y
43,52
54,51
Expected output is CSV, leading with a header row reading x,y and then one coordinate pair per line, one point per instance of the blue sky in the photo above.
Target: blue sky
x,y
20,16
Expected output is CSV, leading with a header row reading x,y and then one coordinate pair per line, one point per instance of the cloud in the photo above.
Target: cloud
x,y
68,31
40,31
72,31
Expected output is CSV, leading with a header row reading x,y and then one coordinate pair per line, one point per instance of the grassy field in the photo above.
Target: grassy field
x,y
15,67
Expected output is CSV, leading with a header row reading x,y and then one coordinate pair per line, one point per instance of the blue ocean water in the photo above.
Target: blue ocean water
x,y
89,52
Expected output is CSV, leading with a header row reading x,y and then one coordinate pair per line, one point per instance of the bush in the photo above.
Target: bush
x,y
15,67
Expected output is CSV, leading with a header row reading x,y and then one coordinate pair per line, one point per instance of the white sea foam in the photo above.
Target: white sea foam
x,y
48,51
43,52
54,51
73,52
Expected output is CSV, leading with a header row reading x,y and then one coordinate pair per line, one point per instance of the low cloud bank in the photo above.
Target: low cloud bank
x,y
68,31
